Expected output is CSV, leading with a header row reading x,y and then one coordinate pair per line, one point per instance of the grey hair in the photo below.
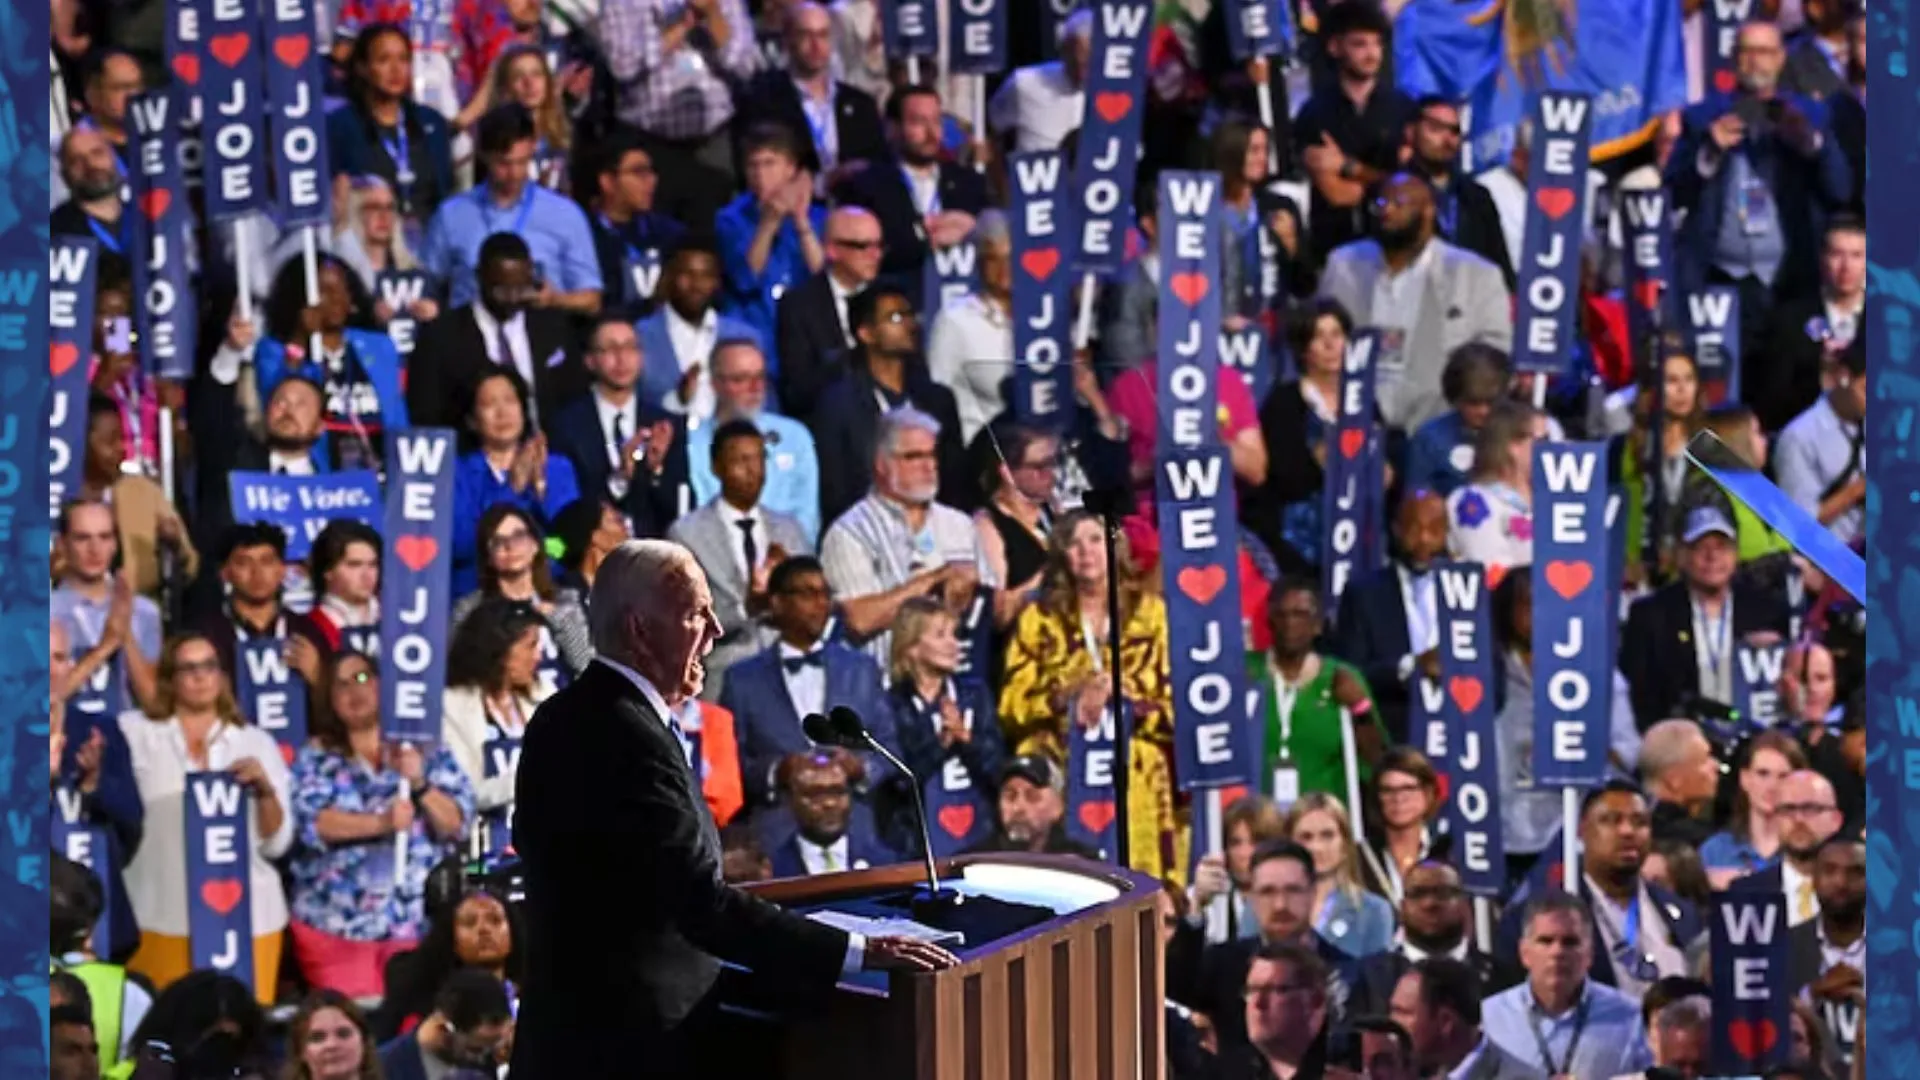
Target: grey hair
x,y
1077,25
897,422
1666,746
1523,134
1688,1013
991,227
629,584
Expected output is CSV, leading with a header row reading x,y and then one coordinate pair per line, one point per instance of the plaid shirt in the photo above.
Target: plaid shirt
x,y
682,94
478,31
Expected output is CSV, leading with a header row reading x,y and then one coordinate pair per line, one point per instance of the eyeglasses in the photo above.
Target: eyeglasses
x,y
1805,809
1401,791
506,541
197,667
916,457
623,348
1265,991
358,678
859,245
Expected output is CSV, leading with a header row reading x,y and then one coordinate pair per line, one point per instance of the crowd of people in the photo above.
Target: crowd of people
x,y
676,261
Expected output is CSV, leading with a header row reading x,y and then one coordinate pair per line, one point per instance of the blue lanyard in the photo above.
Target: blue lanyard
x,y
486,208
625,236
397,149
109,240
1630,932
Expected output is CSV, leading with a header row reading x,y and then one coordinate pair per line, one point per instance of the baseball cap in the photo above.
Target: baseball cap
x,y
1032,768
1702,520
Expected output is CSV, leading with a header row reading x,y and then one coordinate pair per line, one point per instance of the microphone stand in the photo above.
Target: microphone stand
x,y
935,899
1112,505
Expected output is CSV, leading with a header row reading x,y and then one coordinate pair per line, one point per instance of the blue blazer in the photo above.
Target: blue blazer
x,y
1359,929
1430,452
767,728
661,368
653,503
864,852
375,351
353,149
475,491
983,752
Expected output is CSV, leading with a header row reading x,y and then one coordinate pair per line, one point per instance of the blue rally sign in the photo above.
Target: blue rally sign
x,y
186,50
1245,351
1722,37
977,37
303,183
1572,651
1713,320
414,583
1750,945
1549,271
271,693
72,264
163,232
219,878
1353,498
1200,561
1189,311
1257,28
400,289
1756,682
910,28
1042,292
1091,759
235,123
1649,265
1466,708
948,274
1107,159
303,505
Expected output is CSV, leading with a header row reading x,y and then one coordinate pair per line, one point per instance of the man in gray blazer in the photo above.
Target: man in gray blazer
x,y
738,542
1438,1002
1129,322
1425,297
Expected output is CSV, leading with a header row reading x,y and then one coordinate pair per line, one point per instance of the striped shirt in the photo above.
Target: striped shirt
x,y
683,93
871,549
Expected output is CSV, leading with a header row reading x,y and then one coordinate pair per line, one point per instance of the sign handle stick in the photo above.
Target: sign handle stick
x,y
1083,326
243,267
1216,843
979,117
310,252
1265,93
1483,924
400,850
1570,838
913,71
166,452
1350,760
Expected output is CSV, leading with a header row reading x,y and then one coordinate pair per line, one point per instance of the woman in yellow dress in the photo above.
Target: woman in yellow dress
x,y
1056,672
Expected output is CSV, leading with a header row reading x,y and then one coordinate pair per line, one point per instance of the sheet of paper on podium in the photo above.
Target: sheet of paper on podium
x,y
872,927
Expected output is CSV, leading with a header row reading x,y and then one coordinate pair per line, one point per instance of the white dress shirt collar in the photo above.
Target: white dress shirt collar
x,y
1465,1068
290,464
642,684
816,856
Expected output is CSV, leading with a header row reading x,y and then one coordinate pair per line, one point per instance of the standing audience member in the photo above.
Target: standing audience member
x,y
1464,214
1351,130
345,569
769,237
116,633
382,132
1559,1021
1808,816
329,1039
1440,451
1491,517
1831,951
1781,378
792,467
970,348
839,124
1247,824
493,687
116,1000
679,339
1820,457
1751,840
151,532
1020,485
625,448
814,324
1037,107
1438,1002
629,235
1358,922
926,202
1682,777
253,572
1407,803
1437,921
1289,1019
511,465
1296,422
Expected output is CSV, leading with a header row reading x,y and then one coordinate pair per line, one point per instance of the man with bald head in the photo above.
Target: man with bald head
x,y
1681,776
1388,625
628,913
93,210
814,329
839,123
1808,816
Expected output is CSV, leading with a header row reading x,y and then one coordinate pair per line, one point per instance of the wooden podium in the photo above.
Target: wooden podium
x,y
1077,997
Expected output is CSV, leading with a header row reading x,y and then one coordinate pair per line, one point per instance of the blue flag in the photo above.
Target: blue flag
x,y
1107,157
910,28
72,264
1753,982
1200,564
1547,329
186,51
219,881
234,129
1649,260
948,274
1090,763
1245,351
271,694
303,505
1572,652
977,37
1473,767
162,232
1738,478
1042,292
1188,396
414,583
1258,28
1713,318
1756,683
89,845
400,289
303,183
1352,508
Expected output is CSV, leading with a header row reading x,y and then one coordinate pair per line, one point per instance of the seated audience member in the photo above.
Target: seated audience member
x,y
929,203
344,566
1490,517
1357,921
1819,456
1682,778
898,542
949,732
89,767
1032,810
115,999
802,673
1247,823
817,790
1290,1015
885,375
493,688
522,75
1301,723
1440,453
511,465
678,339
625,449
1809,816
1402,832
1536,1021
514,567
1830,952
253,569
352,795
475,930
369,238
329,1039
742,862
192,725
469,1032
629,235
1296,425
216,1015
738,542
383,132
814,330
501,327
117,371
1436,921
73,1046
149,527
970,345
1680,1036
1750,842
1438,1002
1019,480
769,237
792,484
116,633
587,532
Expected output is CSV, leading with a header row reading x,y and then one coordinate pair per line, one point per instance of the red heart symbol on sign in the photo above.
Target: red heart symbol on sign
x,y
230,49
1190,287
1466,692
1096,816
1352,441
1442,783
1231,795
222,895
1040,263
1494,574
187,66
416,551
1202,584
62,357
1751,1038
286,753
1556,201
292,51
1569,579
155,202
956,819
1723,80
1112,105
1646,293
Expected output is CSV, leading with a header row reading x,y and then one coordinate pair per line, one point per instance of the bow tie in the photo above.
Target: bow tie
x,y
796,664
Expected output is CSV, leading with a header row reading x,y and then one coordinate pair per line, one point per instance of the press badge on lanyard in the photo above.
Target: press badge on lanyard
x,y
1756,206
1286,777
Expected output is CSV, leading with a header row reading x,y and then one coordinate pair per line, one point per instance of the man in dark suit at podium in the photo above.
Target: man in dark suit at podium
x,y
1381,618
627,914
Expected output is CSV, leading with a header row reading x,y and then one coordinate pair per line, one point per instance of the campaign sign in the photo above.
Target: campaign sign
x,y
162,235
975,631
1752,981
551,672
1549,270
1713,321
186,51
91,846
1427,723
642,267
1756,682
1091,759
1108,156
1724,19
1473,769
1649,261
910,28
1353,510
303,505
1052,13
1200,562
271,694
235,123
72,264
1042,292
1572,652
219,884
414,583
302,183
977,37
960,813
399,290
948,274
1190,308
1257,28
1245,351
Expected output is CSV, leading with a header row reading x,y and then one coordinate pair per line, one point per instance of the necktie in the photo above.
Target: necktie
x,y
1803,901
619,432
796,664
826,856
748,545
497,345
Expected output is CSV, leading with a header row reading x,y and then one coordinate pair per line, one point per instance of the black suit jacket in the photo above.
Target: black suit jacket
x,y
813,347
451,359
846,422
1380,972
1212,979
1371,634
773,98
1780,370
1657,648
652,502
882,189
1476,226
628,917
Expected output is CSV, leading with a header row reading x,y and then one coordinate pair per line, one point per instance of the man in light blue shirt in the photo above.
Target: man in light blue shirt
x,y
555,228
101,614
793,471
1820,458
1560,1021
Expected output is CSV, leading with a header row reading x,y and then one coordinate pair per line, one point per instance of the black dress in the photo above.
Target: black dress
x,y
1026,555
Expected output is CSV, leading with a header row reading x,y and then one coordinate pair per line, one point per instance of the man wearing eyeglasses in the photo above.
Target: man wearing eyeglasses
x,y
1809,815
1466,215
1436,915
625,449
630,237
813,323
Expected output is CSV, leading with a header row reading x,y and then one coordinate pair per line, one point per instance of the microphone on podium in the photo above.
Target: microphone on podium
x,y
844,728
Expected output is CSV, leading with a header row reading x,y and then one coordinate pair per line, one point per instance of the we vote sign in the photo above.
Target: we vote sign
x,y
1042,291
1713,321
400,290
162,235
1756,682
910,28
1257,28
1752,982
236,116
219,886
1199,546
72,265
1352,507
1109,146
1092,756
303,505
1549,271
1189,308
302,180
1648,258
977,36
1572,650
414,583
1466,708
271,694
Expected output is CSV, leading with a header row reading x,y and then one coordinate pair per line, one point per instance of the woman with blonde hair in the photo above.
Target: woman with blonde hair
x,y
521,75
949,734
1247,824
367,237
1359,922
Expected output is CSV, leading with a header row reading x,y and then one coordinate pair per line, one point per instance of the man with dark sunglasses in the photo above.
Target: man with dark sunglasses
x,y
814,326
